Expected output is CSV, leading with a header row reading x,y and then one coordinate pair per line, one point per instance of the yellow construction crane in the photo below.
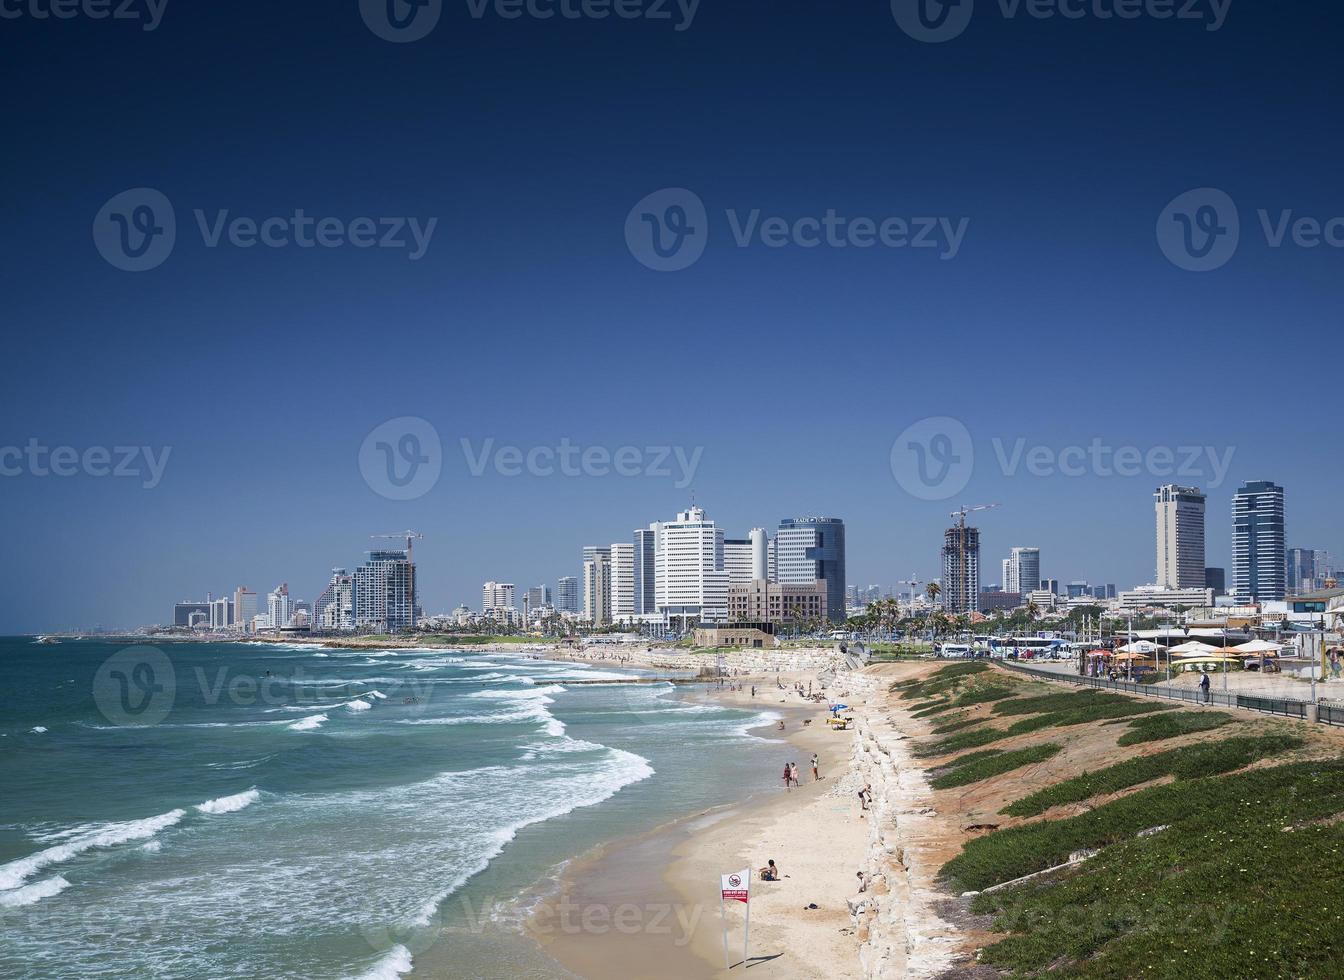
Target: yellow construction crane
x,y
961,512
963,553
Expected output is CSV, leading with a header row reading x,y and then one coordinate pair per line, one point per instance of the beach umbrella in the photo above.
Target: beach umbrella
x,y
1193,647
1140,646
1256,647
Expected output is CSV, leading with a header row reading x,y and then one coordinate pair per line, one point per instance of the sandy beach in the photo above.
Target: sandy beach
x,y
667,883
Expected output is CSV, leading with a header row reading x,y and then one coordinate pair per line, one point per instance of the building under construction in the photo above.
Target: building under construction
x,y
961,569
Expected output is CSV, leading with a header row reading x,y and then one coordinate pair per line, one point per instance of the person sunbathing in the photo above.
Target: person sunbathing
x,y
770,872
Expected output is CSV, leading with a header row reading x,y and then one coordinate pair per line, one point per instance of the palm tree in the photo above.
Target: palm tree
x,y
933,590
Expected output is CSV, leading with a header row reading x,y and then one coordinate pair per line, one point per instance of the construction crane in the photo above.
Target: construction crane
x,y
961,512
398,535
913,582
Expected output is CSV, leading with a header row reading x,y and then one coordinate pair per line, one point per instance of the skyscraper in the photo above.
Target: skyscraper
x,y
760,553
961,570
1010,580
597,587
1308,570
1258,555
691,583
567,594
737,559
384,592
279,607
622,580
535,598
244,607
1022,570
812,549
1180,537
498,597
645,571
335,606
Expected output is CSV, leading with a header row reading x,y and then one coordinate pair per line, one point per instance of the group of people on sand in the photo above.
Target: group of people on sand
x,y
791,772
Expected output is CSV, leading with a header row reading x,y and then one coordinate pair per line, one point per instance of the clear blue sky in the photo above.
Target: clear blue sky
x,y
528,321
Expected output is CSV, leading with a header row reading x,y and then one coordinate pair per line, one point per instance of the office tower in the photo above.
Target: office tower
x,y
1180,537
597,587
497,597
184,611
1308,570
645,571
961,570
384,591
1026,569
1102,591
771,562
760,553
737,559
1216,579
278,606
812,549
622,580
1010,580
1259,560
567,594
535,598
1050,585
1078,589
691,583
758,600
334,608
244,607
221,613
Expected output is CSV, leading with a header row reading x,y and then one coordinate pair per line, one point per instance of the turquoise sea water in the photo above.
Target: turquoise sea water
x,y
239,810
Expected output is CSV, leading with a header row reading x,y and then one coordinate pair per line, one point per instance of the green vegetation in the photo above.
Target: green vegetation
x,y
1242,876
1076,711
956,725
993,765
1055,702
962,760
1185,763
941,681
1173,725
1017,851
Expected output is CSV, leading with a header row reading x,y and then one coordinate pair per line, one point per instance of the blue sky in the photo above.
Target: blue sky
x,y
528,321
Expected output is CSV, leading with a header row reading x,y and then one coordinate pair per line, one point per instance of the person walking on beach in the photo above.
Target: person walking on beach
x,y
788,777
816,762
793,769
1204,684
865,795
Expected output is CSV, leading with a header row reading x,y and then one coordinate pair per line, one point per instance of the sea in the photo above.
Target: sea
x,y
247,810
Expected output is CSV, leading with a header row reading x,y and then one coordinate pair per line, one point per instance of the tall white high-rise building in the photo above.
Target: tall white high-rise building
x,y
737,560
691,581
1022,571
335,607
1010,580
812,549
244,607
498,597
221,613
1180,537
597,587
278,606
760,554
567,594
622,580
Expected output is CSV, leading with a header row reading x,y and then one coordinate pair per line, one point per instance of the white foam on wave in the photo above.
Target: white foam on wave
x,y
35,892
396,962
378,694
308,724
531,694
229,804
15,873
358,705
37,730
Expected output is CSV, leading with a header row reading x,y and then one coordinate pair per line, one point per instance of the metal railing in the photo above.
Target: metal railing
x,y
1287,707
1329,714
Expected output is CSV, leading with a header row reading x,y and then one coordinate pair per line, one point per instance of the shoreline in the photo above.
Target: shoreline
x,y
666,880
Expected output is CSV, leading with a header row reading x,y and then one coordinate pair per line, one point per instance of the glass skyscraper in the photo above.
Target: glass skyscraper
x,y
812,549
1260,565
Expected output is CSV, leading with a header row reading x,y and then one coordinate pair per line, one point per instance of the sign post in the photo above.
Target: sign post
x,y
735,887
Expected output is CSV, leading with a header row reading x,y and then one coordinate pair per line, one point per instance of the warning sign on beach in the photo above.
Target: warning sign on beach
x,y
737,886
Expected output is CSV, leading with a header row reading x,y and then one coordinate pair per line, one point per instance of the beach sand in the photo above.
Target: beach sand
x,y
665,885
